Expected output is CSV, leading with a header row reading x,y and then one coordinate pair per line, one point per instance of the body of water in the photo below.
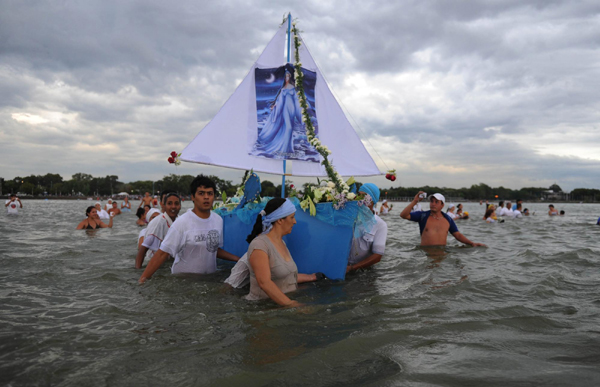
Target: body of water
x,y
523,312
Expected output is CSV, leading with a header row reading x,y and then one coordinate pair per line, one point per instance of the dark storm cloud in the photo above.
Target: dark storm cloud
x,y
128,82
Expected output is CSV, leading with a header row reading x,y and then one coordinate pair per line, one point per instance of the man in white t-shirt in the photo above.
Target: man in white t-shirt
x,y
13,204
507,211
195,239
368,249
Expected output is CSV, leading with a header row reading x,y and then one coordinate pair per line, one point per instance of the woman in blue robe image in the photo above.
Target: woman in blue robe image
x,y
275,138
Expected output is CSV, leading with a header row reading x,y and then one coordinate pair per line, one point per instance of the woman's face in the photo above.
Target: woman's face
x,y
93,214
288,76
287,223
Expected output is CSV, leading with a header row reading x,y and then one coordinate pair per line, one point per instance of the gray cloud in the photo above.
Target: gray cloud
x,y
492,87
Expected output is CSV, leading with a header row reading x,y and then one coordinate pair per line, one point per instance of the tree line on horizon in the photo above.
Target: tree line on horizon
x,y
83,184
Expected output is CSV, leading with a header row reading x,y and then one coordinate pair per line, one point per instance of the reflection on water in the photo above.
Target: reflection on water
x,y
523,311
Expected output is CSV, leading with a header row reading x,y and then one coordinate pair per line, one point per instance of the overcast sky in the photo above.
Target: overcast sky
x,y
447,93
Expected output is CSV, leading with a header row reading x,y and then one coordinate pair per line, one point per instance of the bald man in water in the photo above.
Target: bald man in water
x,y
434,224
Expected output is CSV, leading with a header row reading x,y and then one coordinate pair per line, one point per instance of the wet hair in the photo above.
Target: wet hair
x,y
519,205
202,181
551,205
89,209
148,205
271,206
526,210
488,213
562,212
139,213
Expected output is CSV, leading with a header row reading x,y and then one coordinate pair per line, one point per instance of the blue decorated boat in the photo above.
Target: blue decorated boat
x,y
297,128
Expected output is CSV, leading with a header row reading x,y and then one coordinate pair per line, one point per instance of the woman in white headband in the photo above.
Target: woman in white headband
x,y
273,272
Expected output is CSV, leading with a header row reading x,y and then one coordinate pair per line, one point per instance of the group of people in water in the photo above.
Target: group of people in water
x,y
94,214
195,239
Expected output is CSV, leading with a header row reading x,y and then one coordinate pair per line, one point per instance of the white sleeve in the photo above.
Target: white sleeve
x,y
174,241
152,242
380,238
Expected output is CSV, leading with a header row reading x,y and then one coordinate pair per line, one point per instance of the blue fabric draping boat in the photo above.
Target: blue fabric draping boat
x,y
318,243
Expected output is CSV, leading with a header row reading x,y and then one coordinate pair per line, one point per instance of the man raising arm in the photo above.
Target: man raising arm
x,y
434,225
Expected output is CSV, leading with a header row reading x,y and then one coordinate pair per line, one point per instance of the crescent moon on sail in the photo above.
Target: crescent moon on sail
x,y
271,78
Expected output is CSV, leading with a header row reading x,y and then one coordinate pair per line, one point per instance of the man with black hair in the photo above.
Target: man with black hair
x,y
13,204
195,239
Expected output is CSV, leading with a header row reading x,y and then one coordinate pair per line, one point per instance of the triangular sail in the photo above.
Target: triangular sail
x,y
224,141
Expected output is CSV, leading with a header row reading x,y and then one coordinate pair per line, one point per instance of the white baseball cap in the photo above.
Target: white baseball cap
x,y
439,197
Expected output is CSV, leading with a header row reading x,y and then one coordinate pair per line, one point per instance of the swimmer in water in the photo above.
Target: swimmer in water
x,y
552,211
92,221
490,215
146,200
126,206
434,224
140,213
114,210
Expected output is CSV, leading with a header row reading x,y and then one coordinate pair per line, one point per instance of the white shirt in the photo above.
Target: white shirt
x,y
157,231
13,208
372,242
103,214
194,242
508,212
490,220
240,274
517,213
452,215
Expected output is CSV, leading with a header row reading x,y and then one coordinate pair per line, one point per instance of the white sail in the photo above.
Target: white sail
x,y
225,140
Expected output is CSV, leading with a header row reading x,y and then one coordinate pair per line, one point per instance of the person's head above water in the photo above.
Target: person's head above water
x,y
372,190
278,213
436,202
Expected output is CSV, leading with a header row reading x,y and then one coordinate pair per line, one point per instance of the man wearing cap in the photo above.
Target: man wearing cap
x,y
434,225
368,249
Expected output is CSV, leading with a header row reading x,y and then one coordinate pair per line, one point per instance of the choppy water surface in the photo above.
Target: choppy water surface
x,y
524,311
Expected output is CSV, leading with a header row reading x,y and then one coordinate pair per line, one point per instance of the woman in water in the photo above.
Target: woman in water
x,y
276,137
126,206
92,221
272,269
490,215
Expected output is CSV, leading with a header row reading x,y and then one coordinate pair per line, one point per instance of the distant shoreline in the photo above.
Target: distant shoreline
x,y
399,200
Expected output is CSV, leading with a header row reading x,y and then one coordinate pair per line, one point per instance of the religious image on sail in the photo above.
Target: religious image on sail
x,y
281,132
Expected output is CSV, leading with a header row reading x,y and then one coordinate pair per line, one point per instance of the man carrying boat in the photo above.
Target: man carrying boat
x,y
195,238
368,249
434,224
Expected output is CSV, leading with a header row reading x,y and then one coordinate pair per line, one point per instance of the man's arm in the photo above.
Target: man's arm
x,y
370,261
20,203
226,255
405,214
463,239
139,258
157,260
